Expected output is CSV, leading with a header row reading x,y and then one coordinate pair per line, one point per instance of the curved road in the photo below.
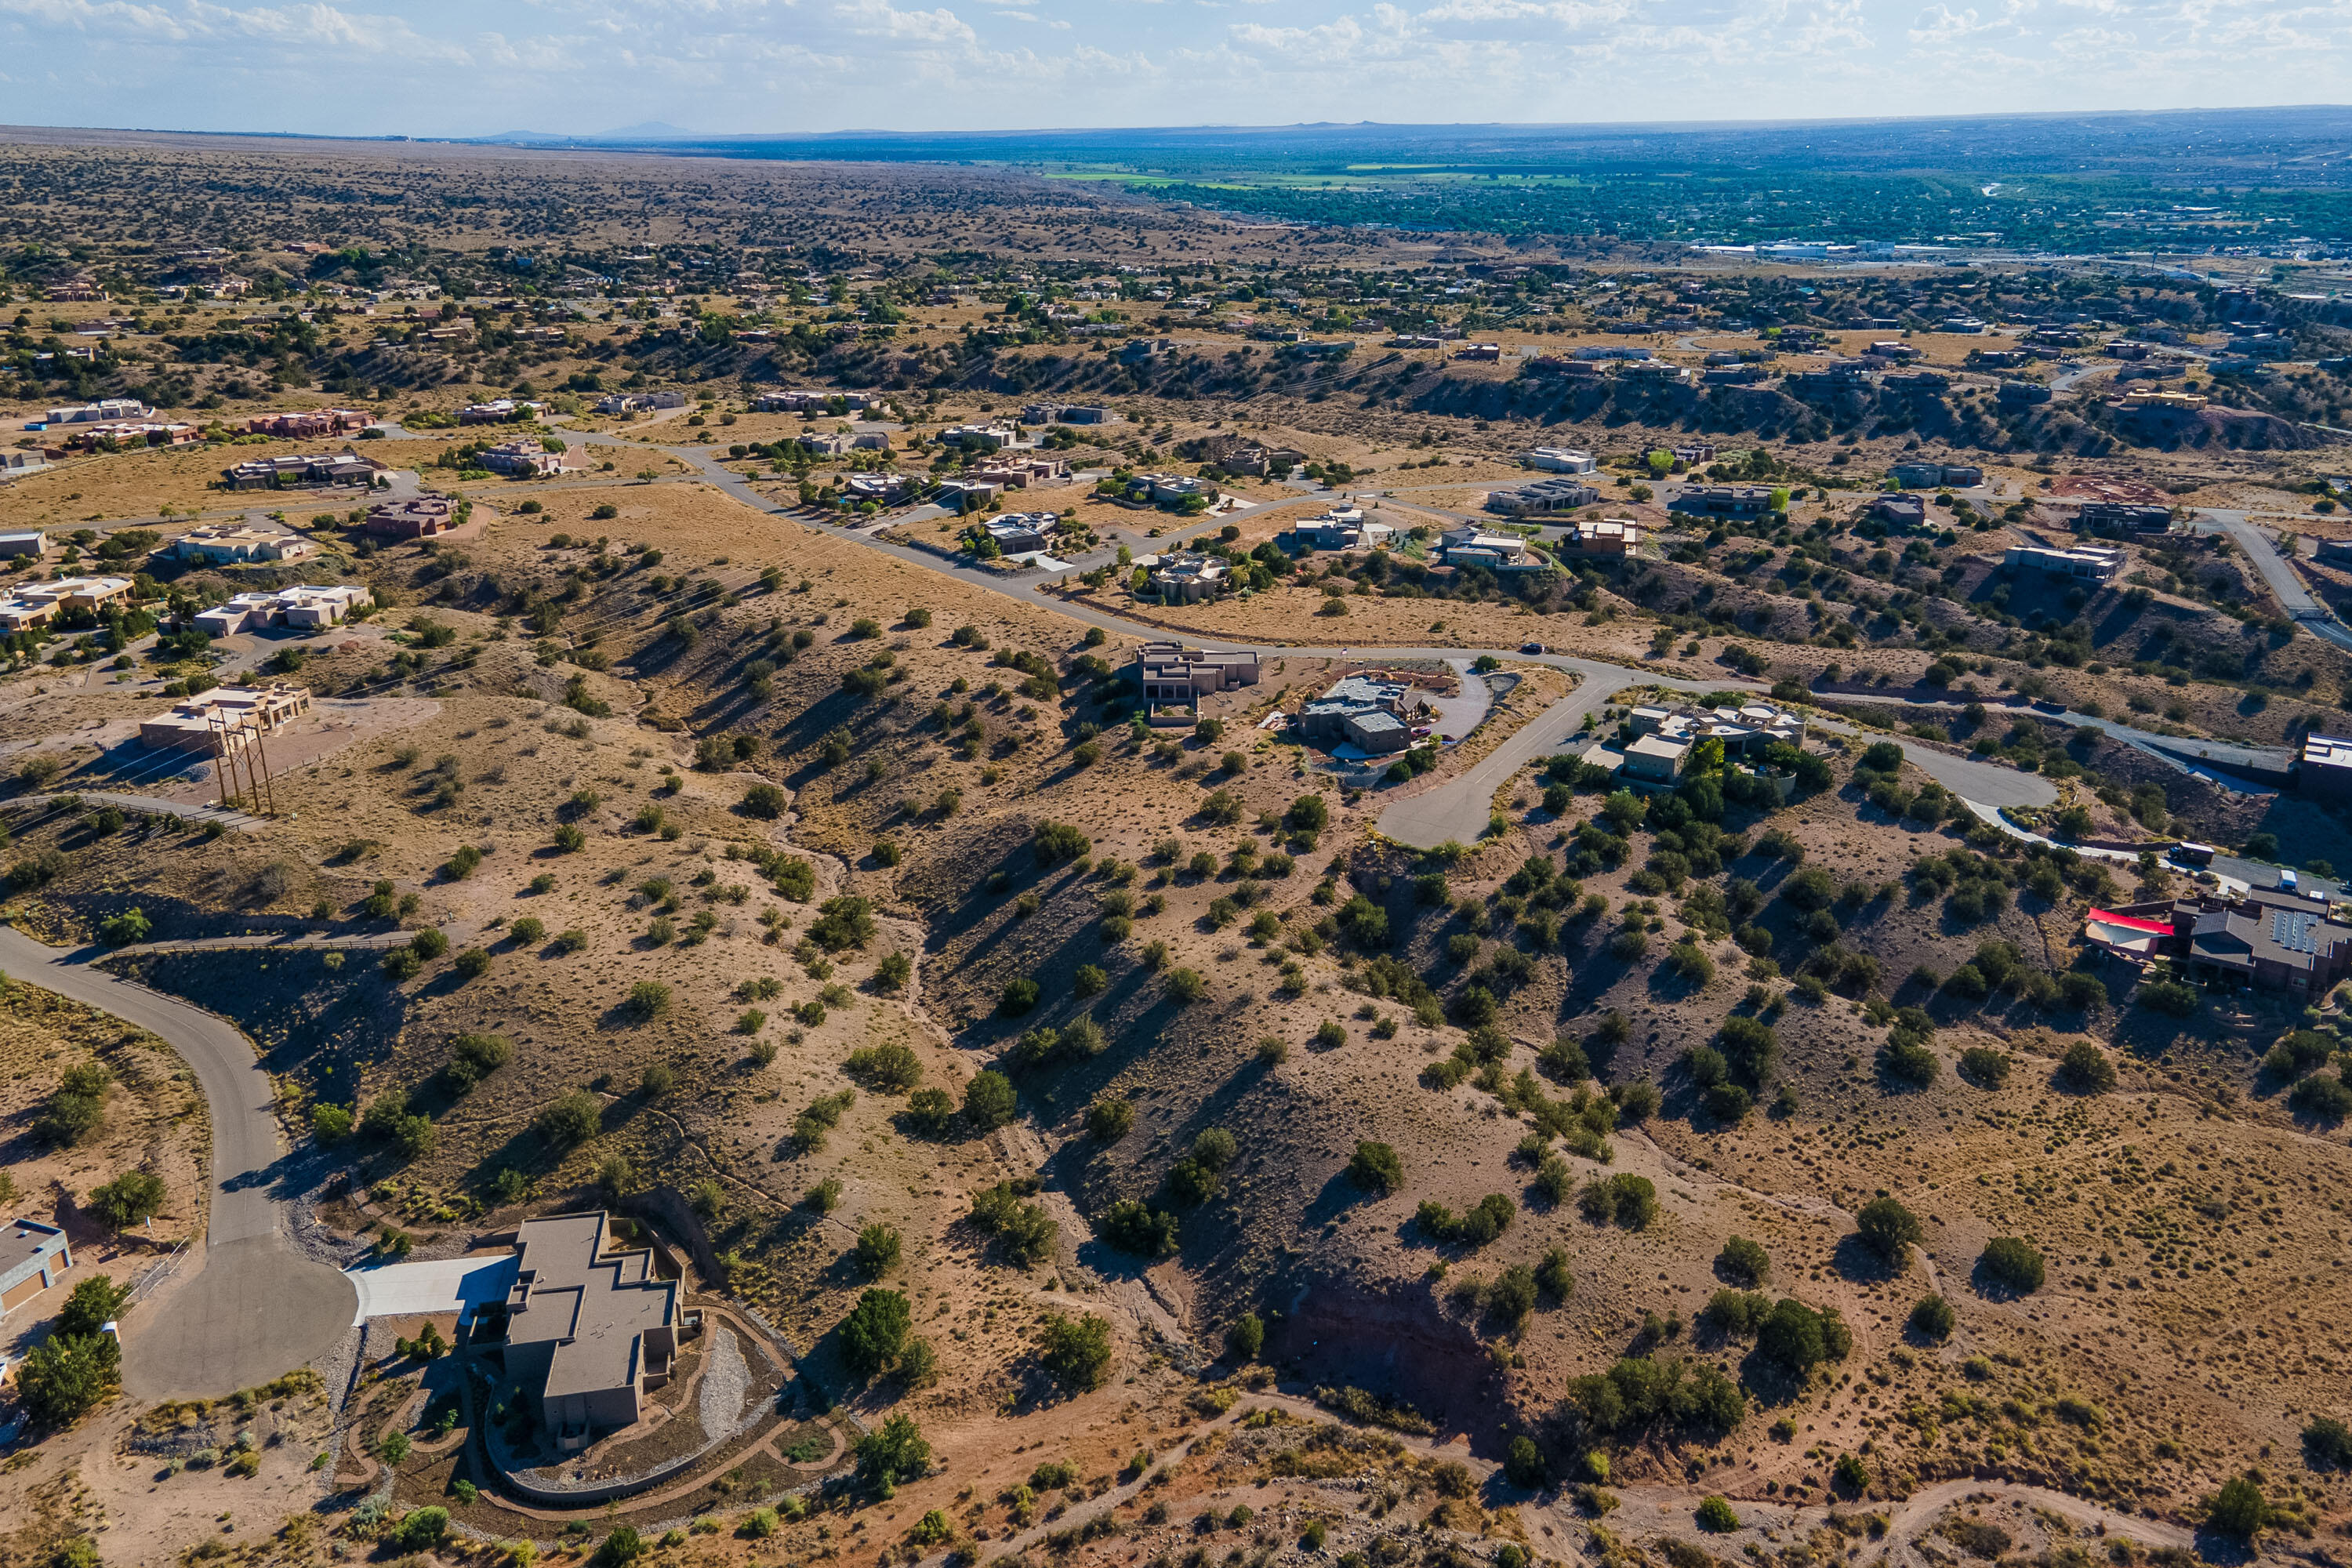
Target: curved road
x,y
1458,808
2293,594
256,1306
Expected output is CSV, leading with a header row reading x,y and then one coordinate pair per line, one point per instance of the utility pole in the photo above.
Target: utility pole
x,y
218,728
268,791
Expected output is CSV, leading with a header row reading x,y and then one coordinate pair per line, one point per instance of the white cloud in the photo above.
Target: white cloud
x,y
456,66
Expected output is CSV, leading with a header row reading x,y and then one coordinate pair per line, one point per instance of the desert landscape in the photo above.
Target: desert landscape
x,y
785,862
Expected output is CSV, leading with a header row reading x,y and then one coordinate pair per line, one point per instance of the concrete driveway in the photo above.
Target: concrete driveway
x,y
252,1306
431,1285
1460,714
1457,809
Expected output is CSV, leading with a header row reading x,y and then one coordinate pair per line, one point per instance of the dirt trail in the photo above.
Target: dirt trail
x,y
1664,1508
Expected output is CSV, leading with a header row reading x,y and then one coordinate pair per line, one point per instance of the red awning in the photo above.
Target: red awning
x,y
2130,923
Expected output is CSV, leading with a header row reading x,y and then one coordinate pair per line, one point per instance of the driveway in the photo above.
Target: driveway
x,y
2294,597
1457,809
434,1285
1460,714
253,1306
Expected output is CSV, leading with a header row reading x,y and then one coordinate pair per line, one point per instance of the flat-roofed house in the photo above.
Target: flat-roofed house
x,y
498,411
1170,672
421,517
28,542
301,607
1542,498
307,423
2121,517
104,411
2274,941
1723,500
37,604
2325,770
32,1255
1018,532
2089,563
524,458
1603,536
1560,461
1363,710
1899,509
589,1330
1343,528
190,725
1656,760
1476,547
1183,577
311,469
221,543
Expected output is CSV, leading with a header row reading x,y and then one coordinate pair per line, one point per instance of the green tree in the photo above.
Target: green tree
x,y
893,1452
132,925
1794,1335
130,1199
1076,1350
2086,1068
66,1376
2237,1510
1246,1337
1743,1262
843,921
989,1102
422,1529
622,1547
1524,1463
571,1119
1931,1319
1890,1229
877,1249
1376,1169
95,1303
2012,1263
876,1332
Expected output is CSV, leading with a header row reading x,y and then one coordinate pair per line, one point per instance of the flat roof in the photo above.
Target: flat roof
x,y
2327,751
594,1306
24,1242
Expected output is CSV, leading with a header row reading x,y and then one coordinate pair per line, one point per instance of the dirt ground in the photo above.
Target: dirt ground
x,y
153,1120
769,845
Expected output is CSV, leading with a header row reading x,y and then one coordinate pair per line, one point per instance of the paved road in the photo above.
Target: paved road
x,y
187,811
1458,808
2285,580
1987,784
255,1307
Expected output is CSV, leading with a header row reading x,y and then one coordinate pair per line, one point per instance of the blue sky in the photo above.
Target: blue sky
x,y
470,68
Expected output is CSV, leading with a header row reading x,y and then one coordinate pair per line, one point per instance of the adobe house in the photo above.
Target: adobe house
x,y
588,1330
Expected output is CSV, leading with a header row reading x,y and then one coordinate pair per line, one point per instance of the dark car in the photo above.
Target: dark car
x,y
1531,647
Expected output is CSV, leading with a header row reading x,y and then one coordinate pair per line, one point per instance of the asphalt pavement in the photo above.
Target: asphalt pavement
x,y
2293,596
1457,809
253,1306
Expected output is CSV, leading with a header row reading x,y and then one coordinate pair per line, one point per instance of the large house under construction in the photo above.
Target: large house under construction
x,y
236,711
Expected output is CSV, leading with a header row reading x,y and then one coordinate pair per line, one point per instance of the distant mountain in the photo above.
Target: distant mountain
x,y
650,130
